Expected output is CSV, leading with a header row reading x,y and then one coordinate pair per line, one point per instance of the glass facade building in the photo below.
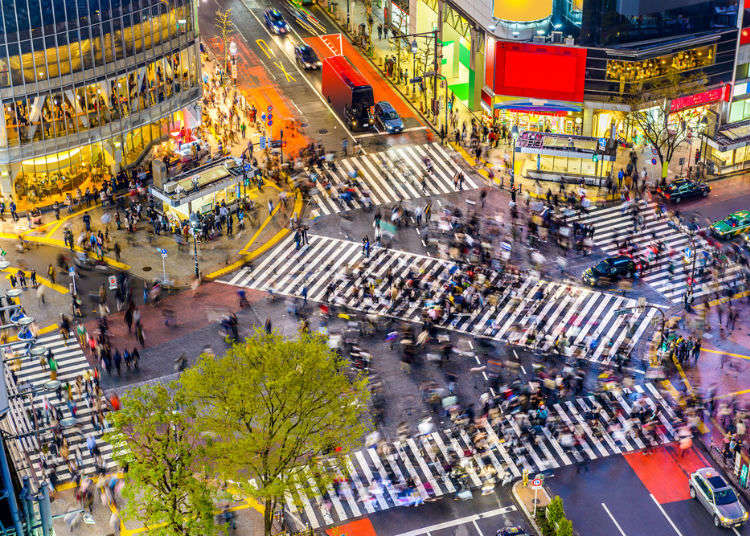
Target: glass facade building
x,y
88,86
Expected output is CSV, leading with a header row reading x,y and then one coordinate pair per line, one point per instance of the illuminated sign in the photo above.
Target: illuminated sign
x,y
522,10
699,99
539,71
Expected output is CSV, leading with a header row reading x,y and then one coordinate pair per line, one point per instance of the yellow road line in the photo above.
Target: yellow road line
x,y
725,353
260,229
42,280
275,239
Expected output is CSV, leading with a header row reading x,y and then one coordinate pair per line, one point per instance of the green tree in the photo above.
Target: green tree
x,y
564,528
555,510
166,487
224,30
277,406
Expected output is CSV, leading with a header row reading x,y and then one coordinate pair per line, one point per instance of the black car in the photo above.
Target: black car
x,y
611,270
683,190
306,57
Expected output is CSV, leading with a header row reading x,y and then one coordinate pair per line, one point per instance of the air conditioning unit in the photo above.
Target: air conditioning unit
x,y
557,37
540,39
570,41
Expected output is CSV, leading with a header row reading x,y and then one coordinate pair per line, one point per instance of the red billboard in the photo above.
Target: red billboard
x,y
699,99
539,71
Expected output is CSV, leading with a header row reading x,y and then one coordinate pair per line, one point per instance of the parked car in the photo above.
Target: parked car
x,y
387,118
683,190
307,58
710,489
733,225
611,270
275,22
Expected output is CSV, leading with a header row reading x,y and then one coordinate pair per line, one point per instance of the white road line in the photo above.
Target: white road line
x,y
460,521
622,532
665,515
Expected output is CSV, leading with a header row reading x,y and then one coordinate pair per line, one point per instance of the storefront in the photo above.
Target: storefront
x,y
201,189
536,116
727,150
562,158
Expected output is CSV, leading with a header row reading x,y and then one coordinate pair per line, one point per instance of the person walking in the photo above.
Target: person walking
x,y
366,246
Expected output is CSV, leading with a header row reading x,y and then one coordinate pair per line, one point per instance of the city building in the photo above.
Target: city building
x,y
578,67
87,87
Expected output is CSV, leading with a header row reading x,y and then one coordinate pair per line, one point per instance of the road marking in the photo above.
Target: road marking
x,y
712,351
265,48
379,132
613,519
325,102
665,515
287,75
460,521
477,527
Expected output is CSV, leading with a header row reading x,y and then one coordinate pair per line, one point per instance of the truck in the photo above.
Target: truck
x,y
348,92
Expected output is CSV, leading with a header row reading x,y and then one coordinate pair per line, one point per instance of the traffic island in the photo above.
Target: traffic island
x,y
544,513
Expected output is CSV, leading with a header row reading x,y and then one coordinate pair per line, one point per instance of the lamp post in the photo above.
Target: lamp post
x,y
347,14
514,135
194,224
414,48
233,56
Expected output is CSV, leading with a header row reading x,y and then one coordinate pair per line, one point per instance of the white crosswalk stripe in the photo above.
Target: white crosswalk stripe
x,y
390,176
28,391
613,224
419,461
553,309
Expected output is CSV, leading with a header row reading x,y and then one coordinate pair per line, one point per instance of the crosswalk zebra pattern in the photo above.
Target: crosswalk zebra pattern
x,y
391,176
613,224
27,390
369,478
577,313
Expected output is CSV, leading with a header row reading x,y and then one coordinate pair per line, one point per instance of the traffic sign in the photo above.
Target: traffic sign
x,y
3,252
112,282
602,143
163,253
653,161
262,142
536,483
71,271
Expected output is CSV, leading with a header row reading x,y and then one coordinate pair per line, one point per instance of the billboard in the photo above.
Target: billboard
x,y
539,71
699,99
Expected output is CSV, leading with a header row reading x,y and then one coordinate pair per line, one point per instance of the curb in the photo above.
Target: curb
x,y
247,257
522,507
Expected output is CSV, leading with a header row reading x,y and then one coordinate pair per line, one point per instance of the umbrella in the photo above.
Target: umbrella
x,y
392,336
106,218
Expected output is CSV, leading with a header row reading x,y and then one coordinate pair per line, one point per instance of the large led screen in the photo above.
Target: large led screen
x,y
539,71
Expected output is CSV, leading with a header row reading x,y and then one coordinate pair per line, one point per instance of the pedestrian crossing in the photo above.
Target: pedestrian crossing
x,y
390,176
613,224
443,461
28,390
324,270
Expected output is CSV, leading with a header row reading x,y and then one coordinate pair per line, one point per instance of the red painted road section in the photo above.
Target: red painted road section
x,y
665,473
360,527
330,45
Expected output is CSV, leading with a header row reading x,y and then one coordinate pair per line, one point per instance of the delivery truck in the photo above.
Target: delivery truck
x,y
348,93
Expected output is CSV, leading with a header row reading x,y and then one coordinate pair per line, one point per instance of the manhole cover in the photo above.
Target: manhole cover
x,y
323,131
146,268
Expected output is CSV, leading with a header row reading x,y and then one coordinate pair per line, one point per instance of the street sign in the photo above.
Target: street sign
x,y
602,143
653,161
262,142
163,253
72,271
536,483
3,252
112,282
415,80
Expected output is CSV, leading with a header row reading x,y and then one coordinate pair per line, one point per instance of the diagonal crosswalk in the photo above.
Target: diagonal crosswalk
x,y
613,224
390,176
333,270
28,391
374,479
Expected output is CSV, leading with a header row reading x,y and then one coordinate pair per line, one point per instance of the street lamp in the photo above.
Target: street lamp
x,y
514,135
233,56
414,49
194,224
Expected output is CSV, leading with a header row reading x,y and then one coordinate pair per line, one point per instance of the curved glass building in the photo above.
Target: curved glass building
x,y
88,87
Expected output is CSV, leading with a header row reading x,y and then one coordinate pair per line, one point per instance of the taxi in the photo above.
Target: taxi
x,y
710,489
733,225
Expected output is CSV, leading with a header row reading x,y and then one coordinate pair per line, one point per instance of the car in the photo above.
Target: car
x,y
306,57
683,190
387,117
733,225
512,531
275,22
611,270
710,489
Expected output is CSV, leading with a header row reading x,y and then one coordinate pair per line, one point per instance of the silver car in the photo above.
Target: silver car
x,y
709,488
